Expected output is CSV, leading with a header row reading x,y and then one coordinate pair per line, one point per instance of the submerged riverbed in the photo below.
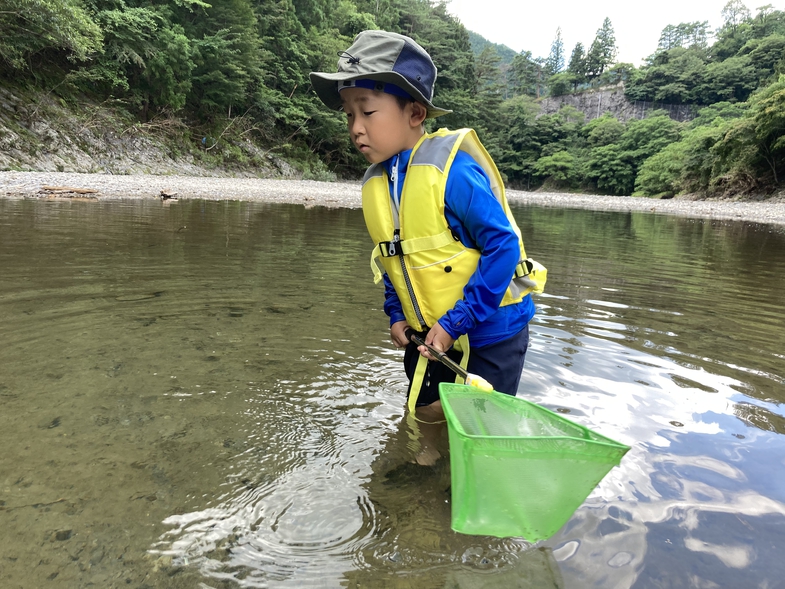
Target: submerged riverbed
x,y
203,394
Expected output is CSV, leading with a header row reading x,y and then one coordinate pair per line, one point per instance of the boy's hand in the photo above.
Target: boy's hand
x,y
439,339
398,334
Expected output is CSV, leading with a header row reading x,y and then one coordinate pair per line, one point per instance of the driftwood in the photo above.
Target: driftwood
x,y
69,189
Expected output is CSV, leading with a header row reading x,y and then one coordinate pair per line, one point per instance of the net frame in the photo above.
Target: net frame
x,y
518,469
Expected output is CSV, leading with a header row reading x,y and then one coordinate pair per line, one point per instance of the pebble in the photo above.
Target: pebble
x,y
311,193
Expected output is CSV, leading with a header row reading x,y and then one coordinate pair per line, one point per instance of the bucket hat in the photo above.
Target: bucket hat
x,y
383,57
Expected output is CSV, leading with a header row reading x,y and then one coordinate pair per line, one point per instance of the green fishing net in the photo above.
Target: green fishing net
x,y
518,469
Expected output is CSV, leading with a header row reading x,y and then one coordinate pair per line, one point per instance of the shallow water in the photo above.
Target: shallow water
x,y
202,394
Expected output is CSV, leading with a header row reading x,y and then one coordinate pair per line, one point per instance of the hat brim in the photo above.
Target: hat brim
x,y
326,88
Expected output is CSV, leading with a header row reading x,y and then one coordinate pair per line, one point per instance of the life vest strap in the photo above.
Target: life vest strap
x,y
404,247
417,380
462,345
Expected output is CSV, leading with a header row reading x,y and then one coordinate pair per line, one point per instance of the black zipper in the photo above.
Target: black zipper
x,y
397,239
407,280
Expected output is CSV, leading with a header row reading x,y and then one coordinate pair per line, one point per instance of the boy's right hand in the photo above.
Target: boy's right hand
x,y
398,334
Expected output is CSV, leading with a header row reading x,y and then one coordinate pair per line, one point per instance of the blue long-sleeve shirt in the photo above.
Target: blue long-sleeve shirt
x,y
478,219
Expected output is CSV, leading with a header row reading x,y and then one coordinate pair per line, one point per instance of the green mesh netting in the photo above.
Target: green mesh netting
x,y
518,469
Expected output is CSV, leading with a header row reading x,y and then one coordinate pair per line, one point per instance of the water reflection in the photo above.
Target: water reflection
x,y
204,395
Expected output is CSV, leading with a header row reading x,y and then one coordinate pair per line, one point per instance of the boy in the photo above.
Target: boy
x,y
454,266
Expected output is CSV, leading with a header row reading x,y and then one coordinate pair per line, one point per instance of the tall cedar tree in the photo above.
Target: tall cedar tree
x,y
555,61
602,52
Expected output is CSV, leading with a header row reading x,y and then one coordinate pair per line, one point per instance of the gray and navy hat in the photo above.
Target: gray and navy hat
x,y
391,60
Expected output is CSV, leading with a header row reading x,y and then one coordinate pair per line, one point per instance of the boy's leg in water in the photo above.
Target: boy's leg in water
x,y
500,363
428,419
431,423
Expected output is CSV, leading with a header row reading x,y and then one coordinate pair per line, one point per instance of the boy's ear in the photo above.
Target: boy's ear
x,y
419,114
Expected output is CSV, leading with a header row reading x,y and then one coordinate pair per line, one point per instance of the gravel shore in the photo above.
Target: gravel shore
x,y
347,194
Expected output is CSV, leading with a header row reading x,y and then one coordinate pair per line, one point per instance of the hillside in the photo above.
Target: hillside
x,y
39,133
478,43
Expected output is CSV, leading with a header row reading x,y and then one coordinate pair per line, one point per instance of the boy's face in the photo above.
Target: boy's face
x,y
378,126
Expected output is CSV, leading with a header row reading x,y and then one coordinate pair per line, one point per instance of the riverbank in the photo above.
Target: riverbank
x,y
55,185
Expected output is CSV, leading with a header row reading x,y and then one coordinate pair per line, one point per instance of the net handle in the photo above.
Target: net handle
x,y
468,378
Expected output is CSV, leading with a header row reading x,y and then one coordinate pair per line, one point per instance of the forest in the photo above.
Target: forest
x,y
221,70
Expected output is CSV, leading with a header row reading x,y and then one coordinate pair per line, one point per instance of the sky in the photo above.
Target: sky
x,y
531,26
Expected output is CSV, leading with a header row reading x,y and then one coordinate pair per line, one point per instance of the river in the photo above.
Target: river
x,y
203,394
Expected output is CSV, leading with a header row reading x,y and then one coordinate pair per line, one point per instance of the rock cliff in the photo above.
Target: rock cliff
x,y
611,99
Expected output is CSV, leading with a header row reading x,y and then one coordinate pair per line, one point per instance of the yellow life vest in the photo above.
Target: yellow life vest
x,y
426,264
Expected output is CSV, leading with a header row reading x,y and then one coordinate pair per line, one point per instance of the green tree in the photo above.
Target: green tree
x,y
129,40
697,157
768,22
487,76
688,165
733,80
488,89
611,170
386,13
147,56
659,175
670,76
166,81
690,34
734,13
766,56
695,34
619,72
561,84
719,110
560,169
554,63
602,52
614,167
577,65
669,38
642,138
525,74
312,13
227,58
30,27
753,148
521,144
349,21
735,31
560,131
603,130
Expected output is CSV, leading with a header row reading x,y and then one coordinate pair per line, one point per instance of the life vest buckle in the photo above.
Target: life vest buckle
x,y
390,249
524,268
